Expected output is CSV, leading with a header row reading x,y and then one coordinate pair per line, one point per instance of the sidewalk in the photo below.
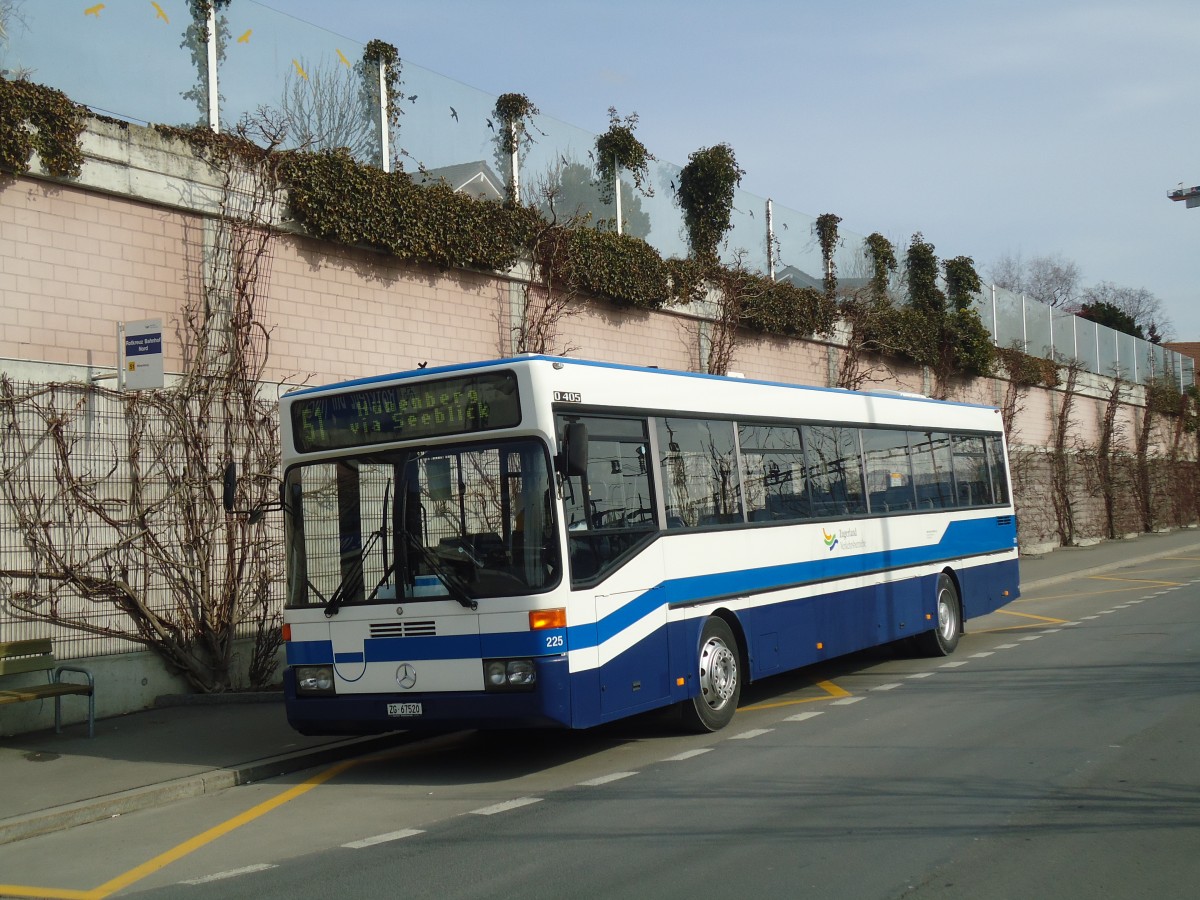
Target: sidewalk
x,y
143,759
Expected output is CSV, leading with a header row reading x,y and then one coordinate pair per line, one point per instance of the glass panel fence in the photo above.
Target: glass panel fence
x,y
1064,336
445,133
119,59
279,66
746,239
140,62
667,234
559,166
1123,355
1037,329
798,255
1085,345
982,304
1010,321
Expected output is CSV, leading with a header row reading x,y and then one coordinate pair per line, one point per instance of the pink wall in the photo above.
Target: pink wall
x,y
74,262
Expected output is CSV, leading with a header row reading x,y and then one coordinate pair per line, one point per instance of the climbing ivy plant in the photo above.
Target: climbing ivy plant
x,y
705,194
826,229
618,149
36,117
512,112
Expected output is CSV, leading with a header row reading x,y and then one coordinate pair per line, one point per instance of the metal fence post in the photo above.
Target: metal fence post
x,y
770,240
385,150
214,94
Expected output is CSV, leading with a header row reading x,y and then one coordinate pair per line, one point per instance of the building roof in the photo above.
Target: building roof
x,y
476,179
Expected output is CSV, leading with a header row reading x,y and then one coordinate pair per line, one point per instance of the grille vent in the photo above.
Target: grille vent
x,y
414,628
1003,520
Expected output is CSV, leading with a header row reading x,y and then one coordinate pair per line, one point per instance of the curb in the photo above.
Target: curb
x,y
84,811
1107,567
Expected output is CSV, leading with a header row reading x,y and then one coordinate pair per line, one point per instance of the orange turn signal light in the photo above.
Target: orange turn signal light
x,y
541,619
287,631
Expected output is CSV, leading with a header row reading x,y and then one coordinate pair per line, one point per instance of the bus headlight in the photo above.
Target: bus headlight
x,y
314,680
509,674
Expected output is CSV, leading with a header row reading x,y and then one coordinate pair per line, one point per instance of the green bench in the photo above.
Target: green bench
x,y
37,655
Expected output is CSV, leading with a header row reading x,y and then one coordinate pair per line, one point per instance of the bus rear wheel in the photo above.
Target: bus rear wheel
x,y
719,670
944,637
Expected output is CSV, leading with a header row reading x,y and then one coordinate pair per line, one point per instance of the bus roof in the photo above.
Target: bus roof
x,y
650,370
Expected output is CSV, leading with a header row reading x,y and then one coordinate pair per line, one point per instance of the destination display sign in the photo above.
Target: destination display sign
x,y
406,411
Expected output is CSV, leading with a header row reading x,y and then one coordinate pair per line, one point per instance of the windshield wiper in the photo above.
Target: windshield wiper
x,y
351,582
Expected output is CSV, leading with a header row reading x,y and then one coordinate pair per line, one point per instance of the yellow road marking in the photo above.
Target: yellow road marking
x,y
189,846
1138,580
1040,620
1076,594
832,691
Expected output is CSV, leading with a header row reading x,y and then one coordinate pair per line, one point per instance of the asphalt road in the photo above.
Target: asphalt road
x,y
1054,755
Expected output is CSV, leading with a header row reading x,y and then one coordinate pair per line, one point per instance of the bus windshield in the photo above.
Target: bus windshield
x,y
465,521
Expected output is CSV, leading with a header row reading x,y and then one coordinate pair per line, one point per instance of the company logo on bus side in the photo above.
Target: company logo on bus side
x,y
846,538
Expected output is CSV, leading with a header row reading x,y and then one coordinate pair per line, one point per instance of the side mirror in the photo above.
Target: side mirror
x,y
573,455
230,487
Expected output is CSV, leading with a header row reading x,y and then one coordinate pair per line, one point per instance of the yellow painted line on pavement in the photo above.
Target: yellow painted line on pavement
x,y
1039,621
832,692
189,846
1138,580
1076,594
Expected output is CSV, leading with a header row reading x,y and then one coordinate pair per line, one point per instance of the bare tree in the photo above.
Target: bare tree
x,y
1139,304
325,110
1051,279
127,537
11,17
549,292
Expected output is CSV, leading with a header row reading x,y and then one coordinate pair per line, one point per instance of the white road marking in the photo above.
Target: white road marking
x,y
506,806
687,754
953,665
984,655
753,733
605,779
886,687
802,717
384,838
1052,630
1089,618
232,873
922,675
1031,637
846,701
1006,646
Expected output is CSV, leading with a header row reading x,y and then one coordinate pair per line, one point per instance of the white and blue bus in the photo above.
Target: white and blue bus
x,y
545,541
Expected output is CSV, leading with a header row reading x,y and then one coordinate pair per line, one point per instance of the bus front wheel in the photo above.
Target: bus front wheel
x,y
719,670
944,637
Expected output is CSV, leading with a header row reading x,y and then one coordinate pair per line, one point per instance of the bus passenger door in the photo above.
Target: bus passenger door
x,y
616,568
633,660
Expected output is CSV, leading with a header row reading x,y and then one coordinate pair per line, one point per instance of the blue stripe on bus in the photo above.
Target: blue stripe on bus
x,y
471,646
962,539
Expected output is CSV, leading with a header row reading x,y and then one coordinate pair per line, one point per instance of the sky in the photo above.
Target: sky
x,y
1048,127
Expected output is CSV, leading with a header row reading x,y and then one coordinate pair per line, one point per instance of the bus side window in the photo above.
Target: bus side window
x,y
834,470
699,472
610,509
773,480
